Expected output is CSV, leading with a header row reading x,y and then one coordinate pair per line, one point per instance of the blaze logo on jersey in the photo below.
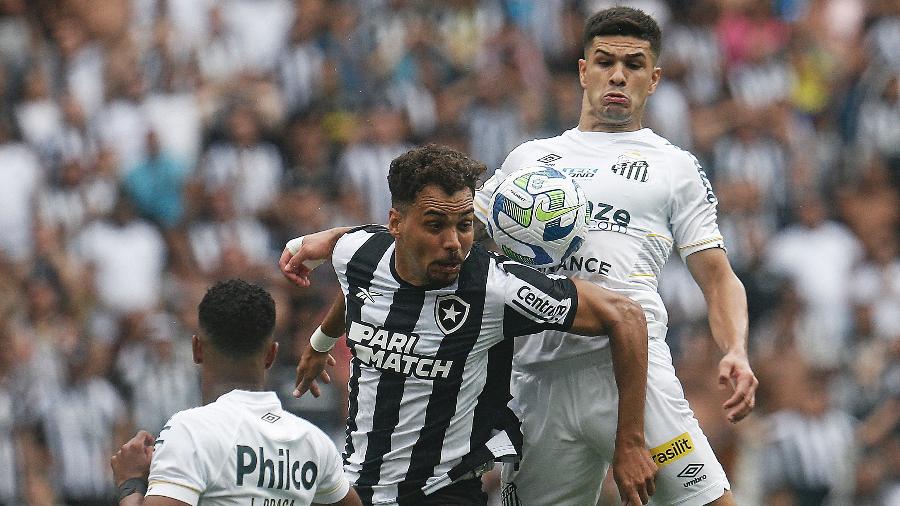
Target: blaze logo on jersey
x,y
630,167
450,312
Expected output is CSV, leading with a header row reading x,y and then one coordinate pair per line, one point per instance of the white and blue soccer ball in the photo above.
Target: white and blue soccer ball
x,y
538,216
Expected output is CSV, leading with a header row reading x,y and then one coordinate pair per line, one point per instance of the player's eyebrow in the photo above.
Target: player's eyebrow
x,y
638,54
435,212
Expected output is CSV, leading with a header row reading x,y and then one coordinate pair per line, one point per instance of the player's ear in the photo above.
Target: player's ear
x,y
271,353
654,79
582,68
197,349
394,219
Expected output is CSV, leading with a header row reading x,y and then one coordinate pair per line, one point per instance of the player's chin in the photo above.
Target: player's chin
x,y
444,273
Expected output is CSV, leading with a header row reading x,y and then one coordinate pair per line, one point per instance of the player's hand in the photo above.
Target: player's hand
x,y
298,272
734,369
634,472
312,366
133,458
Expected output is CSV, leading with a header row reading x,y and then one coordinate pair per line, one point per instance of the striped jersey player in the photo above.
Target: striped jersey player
x,y
423,393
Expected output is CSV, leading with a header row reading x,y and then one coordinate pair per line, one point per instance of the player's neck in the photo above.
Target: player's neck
x,y
591,123
214,384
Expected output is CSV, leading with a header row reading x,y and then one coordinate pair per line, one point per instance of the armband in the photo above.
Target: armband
x,y
131,486
322,342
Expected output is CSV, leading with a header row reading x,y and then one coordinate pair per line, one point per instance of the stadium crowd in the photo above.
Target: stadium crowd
x,y
149,147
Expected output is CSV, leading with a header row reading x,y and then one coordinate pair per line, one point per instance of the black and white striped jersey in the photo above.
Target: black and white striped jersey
x,y
430,367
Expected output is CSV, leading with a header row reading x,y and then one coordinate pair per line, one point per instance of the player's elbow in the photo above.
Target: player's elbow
x,y
623,312
630,311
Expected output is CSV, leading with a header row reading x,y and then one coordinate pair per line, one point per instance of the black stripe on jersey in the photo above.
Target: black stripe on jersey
x,y
402,317
514,323
372,229
426,453
360,272
492,410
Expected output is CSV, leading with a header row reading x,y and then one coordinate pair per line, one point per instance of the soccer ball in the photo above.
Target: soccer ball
x,y
538,216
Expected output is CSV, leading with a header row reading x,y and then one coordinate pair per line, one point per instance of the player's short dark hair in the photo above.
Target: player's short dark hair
x,y
237,317
626,21
451,170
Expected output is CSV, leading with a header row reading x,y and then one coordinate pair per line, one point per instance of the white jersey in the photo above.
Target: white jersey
x,y
645,196
244,449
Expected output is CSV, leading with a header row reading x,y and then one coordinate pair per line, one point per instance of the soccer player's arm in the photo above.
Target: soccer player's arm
x,y
312,363
177,472
550,302
302,254
602,312
701,246
332,487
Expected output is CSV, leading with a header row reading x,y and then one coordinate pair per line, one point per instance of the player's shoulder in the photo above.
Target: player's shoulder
x,y
539,150
303,428
357,237
675,155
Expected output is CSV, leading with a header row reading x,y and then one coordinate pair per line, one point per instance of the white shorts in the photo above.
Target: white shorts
x,y
569,414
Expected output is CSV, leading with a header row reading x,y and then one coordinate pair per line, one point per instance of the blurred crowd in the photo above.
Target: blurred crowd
x,y
150,147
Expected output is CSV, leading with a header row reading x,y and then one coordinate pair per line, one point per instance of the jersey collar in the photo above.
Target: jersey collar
x,y
265,397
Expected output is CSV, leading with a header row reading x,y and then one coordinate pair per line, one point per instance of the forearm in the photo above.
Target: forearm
x,y
727,305
628,342
333,324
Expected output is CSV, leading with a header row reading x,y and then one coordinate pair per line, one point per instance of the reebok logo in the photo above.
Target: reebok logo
x,y
367,295
672,450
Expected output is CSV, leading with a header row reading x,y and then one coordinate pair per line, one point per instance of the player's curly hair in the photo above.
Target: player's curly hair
x,y
237,317
627,21
451,170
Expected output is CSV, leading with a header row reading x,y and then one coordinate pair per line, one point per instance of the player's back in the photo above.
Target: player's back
x,y
244,449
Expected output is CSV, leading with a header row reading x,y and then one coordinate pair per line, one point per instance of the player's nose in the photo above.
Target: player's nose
x,y
618,75
451,240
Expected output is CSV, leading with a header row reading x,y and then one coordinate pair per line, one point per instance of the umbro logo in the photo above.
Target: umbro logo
x,y
450,312
367,295
690,470
552,157
270,417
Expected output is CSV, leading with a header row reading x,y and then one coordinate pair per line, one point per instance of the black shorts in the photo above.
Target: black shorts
x,y
462,493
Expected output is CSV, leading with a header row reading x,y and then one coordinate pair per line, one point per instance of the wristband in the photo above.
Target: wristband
x,y
321,341
132,486
293,246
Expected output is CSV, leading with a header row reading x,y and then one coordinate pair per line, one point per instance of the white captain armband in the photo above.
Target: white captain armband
x,y
322,342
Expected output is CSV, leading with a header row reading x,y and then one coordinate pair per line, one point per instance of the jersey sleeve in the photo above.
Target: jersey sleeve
x,y
332,485
176,470
349,243
693,213
532,301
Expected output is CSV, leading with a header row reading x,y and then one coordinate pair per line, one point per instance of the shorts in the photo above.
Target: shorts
x,y
569,413
462,493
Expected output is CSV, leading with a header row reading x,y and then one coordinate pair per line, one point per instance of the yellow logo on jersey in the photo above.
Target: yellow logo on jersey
x,y
672,450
